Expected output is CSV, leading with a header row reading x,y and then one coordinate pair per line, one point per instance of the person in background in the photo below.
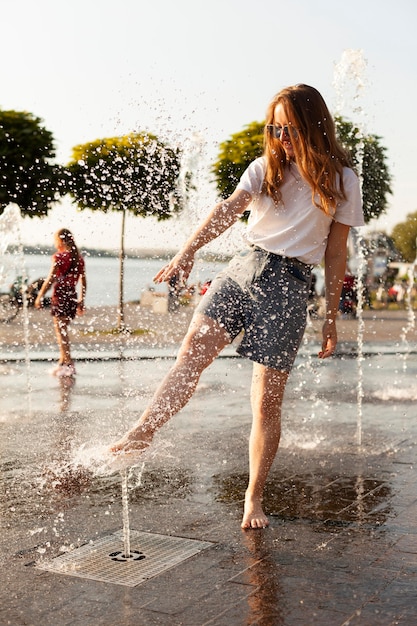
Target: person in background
x,y
348,297
67,269
303,197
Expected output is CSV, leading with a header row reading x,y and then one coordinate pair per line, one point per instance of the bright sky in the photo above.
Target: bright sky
x,y
94,69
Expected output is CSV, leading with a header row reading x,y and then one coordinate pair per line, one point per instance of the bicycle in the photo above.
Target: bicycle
x,y
14,300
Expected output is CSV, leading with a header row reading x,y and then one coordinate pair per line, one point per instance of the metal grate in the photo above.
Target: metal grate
x,y
104,560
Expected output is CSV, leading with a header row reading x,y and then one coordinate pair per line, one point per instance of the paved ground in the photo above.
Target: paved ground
x,y
150,329
342,545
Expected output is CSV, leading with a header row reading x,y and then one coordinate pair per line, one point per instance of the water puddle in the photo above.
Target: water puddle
x,y
322,499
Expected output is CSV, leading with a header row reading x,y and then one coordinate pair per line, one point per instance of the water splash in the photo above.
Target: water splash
x,y
126,475
393,393
9,236
411,318
193,173
125,508
350,82
96,460
12,265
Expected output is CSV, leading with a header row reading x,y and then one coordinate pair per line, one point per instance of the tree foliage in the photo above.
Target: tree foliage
x,y
28,178
236,153
404,235
369,156
135,172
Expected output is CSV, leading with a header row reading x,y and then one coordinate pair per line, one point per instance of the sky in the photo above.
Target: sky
x,y
196,72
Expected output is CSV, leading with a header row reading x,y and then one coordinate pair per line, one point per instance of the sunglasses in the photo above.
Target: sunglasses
x,y
277,131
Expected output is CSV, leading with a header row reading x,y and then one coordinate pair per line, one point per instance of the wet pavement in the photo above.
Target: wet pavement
x,y
342,543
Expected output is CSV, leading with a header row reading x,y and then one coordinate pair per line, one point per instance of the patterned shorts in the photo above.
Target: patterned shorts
x,y
265,296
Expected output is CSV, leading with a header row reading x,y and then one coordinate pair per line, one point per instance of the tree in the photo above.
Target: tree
x,y
236,153
404,235
369,157
135,172
27,176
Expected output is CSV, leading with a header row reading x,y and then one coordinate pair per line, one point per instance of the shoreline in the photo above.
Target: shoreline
x,y
97,329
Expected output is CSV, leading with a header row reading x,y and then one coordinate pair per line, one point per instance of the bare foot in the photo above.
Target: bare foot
x,y
128,451
136,440
253,515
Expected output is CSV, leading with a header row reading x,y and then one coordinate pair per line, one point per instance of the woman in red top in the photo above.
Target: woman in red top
x,y
67,268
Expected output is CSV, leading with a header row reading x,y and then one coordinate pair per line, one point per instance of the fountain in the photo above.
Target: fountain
x,y
13,268
349,82
331,508
411,318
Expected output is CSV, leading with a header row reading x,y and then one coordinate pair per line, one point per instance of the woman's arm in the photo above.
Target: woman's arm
x,y
47,284
335,269
223,216
81,299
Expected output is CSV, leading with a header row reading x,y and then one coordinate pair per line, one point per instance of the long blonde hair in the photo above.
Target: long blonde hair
x,y
319,156
67,239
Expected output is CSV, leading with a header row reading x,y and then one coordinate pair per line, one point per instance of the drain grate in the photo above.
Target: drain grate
x,y
104,560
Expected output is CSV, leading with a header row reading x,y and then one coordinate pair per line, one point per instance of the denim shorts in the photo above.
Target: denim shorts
x,y
264,295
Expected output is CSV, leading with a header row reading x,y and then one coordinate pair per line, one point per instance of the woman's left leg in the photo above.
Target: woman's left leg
x,y
267,392
62,335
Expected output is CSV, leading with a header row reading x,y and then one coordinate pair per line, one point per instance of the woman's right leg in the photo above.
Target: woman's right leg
x,y
267,392
62,335
203,342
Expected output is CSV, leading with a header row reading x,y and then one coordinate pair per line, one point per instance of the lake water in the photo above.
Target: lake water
x,y
103,275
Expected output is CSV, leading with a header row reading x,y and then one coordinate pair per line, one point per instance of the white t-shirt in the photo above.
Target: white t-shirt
x,y
295,227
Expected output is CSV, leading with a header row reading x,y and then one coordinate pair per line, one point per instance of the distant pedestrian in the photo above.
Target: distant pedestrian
x,y
67,269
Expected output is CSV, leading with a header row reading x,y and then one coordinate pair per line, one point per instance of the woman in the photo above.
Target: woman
x,y
67,268
303,197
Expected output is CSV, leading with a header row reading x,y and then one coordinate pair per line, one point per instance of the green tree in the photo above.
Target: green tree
x,y
136,173
28,178
404,235
369,156
236,153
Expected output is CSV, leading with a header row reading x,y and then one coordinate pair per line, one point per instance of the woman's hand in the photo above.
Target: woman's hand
x,y
179,267
223,215
329,343
335,267
38,302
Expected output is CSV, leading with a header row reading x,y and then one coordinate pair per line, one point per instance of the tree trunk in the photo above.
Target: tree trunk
x,y
121,318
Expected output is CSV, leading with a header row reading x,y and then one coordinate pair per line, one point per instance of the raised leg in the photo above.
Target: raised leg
x,y
267,394
202,343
